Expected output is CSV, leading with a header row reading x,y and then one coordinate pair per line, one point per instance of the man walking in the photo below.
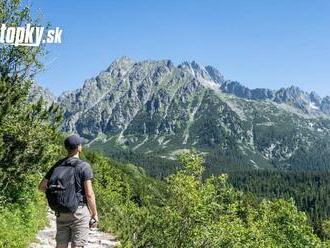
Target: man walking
x,y
69,191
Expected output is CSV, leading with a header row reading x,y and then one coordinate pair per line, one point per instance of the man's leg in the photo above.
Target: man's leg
x,y
80,227
63,230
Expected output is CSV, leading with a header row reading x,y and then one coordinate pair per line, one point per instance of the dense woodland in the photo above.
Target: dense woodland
x,y
310,190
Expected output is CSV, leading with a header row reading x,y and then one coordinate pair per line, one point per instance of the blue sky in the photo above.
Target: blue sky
x,y
261,43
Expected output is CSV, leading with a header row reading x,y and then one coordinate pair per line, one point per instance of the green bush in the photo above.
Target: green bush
x,y
191,212
19,223
29,137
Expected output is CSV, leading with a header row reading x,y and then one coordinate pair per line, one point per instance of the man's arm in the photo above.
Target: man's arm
x,y
90,197
43,185
44,182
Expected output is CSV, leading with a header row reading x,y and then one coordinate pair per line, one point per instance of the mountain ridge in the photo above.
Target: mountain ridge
x,y
307,100
159,109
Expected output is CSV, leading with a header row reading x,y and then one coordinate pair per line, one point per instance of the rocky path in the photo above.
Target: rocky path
x,y
46,237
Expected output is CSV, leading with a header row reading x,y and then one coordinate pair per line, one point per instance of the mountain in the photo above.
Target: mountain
x,y
307,102
154,108
36,92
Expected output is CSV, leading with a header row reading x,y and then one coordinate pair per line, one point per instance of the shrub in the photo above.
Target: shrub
x,y
196,213
19,223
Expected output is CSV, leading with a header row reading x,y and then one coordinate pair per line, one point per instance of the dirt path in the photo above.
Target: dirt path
x,y
46,237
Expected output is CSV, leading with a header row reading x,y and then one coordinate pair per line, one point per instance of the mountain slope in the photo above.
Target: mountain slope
x,y
37,92
158,109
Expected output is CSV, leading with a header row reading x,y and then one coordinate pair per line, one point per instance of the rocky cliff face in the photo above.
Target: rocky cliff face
x,y
155,107
38,92
307,102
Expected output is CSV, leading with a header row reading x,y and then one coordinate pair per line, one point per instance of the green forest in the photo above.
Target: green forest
x,y
183,209
310,190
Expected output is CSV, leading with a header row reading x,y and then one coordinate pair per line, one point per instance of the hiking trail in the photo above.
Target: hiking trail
x,y
46,238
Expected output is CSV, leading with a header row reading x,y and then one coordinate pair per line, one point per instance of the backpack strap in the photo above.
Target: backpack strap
x,y
80,197
64,162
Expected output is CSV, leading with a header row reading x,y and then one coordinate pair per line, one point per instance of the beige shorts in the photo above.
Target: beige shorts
x,y
73,227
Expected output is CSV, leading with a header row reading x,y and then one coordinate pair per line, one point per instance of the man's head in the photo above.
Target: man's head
x,y
73,144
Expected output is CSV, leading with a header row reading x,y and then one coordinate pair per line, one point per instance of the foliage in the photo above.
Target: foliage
x,y
193,212
29,135
153,165
29,139
18,63
19,223
310,190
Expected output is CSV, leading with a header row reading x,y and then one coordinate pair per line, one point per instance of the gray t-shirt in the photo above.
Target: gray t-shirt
x,y
83,172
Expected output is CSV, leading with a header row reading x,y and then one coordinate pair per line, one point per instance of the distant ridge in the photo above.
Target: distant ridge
x,y
159,109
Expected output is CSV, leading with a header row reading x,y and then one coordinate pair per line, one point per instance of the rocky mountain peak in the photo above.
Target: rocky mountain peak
x,y
237,89
196,70
158,108
151,72
307,102
215,74
36,92
122,62
286,94
120,66
325,105
315,98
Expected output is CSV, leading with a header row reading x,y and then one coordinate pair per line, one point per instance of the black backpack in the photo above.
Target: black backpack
x,y
61,188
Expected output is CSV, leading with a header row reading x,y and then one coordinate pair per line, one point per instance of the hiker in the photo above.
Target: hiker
x,y
69,191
